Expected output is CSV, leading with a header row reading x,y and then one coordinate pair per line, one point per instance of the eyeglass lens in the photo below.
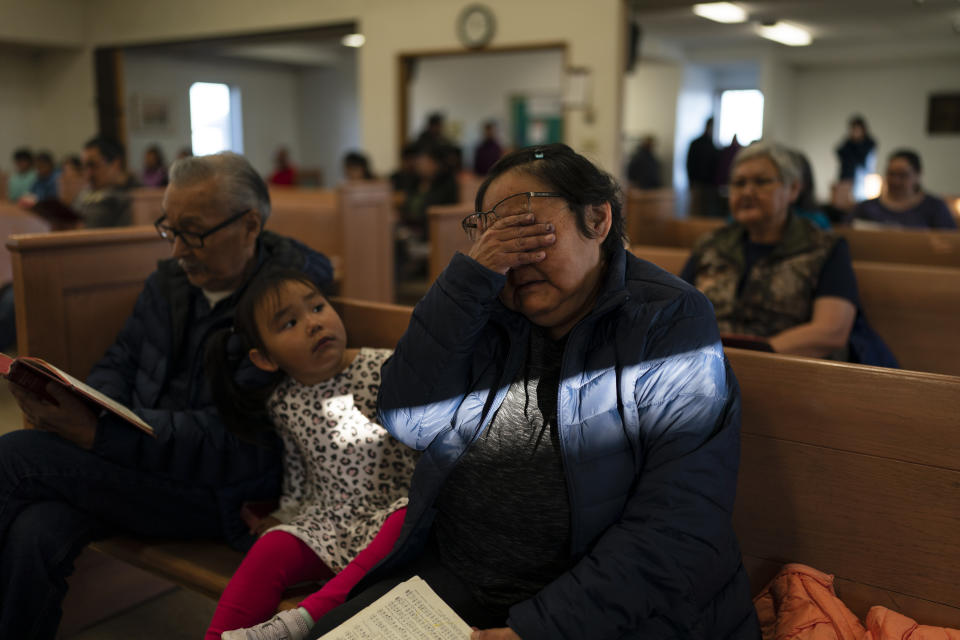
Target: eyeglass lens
x,y
519,203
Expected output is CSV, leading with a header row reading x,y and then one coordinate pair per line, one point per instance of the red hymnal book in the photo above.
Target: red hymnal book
x,y
34,374
739,341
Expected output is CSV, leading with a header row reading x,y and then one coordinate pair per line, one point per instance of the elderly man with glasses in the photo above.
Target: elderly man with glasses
x,y
84,475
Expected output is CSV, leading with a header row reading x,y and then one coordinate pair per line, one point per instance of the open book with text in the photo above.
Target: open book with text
x,y
34,374
409,611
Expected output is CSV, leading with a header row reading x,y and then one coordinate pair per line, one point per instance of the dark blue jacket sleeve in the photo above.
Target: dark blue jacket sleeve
x,y
192,445
424,380
653,572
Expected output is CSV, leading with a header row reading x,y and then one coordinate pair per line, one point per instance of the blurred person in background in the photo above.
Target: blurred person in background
x,y
903,202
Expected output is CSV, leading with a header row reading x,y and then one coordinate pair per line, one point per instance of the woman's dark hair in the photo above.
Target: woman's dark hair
x,y
358,159
579,181
911,156
241,390
157,151
806,200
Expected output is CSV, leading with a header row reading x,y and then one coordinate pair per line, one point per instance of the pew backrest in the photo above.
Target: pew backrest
x,y
853,470
352,225
915,309
75,289
903,246
14,220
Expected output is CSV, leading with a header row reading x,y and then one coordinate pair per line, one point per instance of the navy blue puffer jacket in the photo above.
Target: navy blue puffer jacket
x,y
648,413
155,367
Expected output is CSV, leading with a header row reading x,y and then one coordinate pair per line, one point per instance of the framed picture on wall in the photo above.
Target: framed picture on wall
x,y
149,113
943,115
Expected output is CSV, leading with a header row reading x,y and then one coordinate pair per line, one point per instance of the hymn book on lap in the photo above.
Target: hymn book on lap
x,y
33,374
409,611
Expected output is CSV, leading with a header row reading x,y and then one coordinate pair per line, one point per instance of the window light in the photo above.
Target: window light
x,y
785,33
353,40
725,12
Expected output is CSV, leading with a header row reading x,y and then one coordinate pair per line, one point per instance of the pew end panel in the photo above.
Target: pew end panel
x,y
15,221
446,235
368,219
146,204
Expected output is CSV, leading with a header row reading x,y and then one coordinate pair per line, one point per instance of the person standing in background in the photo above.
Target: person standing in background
x,y
856,156
702,158
24,175
644,171
488,151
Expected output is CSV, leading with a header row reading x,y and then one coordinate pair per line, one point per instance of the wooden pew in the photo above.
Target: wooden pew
x,y
14,220
446,235
914,308
352,225
74,290
920,247
851,469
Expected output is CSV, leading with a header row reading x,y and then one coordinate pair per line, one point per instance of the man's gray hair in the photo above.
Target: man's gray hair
x,y
781,157
240,186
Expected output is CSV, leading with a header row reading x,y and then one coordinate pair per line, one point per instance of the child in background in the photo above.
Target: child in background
x,y
285,366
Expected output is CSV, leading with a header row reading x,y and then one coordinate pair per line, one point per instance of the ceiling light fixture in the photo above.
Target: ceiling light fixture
x,y
725,12
353,40
785,33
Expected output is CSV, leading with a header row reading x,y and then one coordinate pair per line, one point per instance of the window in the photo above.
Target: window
x,y
215,121
741,113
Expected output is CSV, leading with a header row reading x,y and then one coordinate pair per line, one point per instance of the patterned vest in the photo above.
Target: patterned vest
x,y
778,292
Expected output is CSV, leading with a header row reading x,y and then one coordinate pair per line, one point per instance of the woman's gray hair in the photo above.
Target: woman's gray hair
x,y
781,157
238,183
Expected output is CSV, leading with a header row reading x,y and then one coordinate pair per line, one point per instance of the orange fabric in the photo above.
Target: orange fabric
x,y
886,624
801,604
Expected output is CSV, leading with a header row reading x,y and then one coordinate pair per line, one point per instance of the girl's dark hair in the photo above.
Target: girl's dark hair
x,y
241,390
579,181
911,156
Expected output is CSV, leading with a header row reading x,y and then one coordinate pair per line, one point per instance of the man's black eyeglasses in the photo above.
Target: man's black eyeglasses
x,y
190,238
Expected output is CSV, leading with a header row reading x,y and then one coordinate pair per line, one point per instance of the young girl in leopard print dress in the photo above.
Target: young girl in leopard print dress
x,y
345,478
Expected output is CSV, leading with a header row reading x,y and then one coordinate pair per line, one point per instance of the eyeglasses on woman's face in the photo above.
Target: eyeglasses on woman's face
x,y
759,183
192,239
475,224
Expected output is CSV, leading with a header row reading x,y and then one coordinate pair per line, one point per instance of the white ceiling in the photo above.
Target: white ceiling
x,y
850,29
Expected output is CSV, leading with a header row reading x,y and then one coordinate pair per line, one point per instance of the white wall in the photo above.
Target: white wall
x,y
330,117
594,33
893,99
269,96
46,101
650,108
475,88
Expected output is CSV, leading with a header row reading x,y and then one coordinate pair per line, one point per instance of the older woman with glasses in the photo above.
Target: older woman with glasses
x,y
773,276
579,427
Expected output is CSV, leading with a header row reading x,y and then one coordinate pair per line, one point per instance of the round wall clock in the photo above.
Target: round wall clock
x,y
476,26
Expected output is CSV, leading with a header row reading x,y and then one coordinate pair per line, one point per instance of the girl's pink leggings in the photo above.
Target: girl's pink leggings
x,y
279,560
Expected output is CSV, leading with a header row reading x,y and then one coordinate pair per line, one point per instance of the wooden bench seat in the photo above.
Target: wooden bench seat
x,y
914,308
851,469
